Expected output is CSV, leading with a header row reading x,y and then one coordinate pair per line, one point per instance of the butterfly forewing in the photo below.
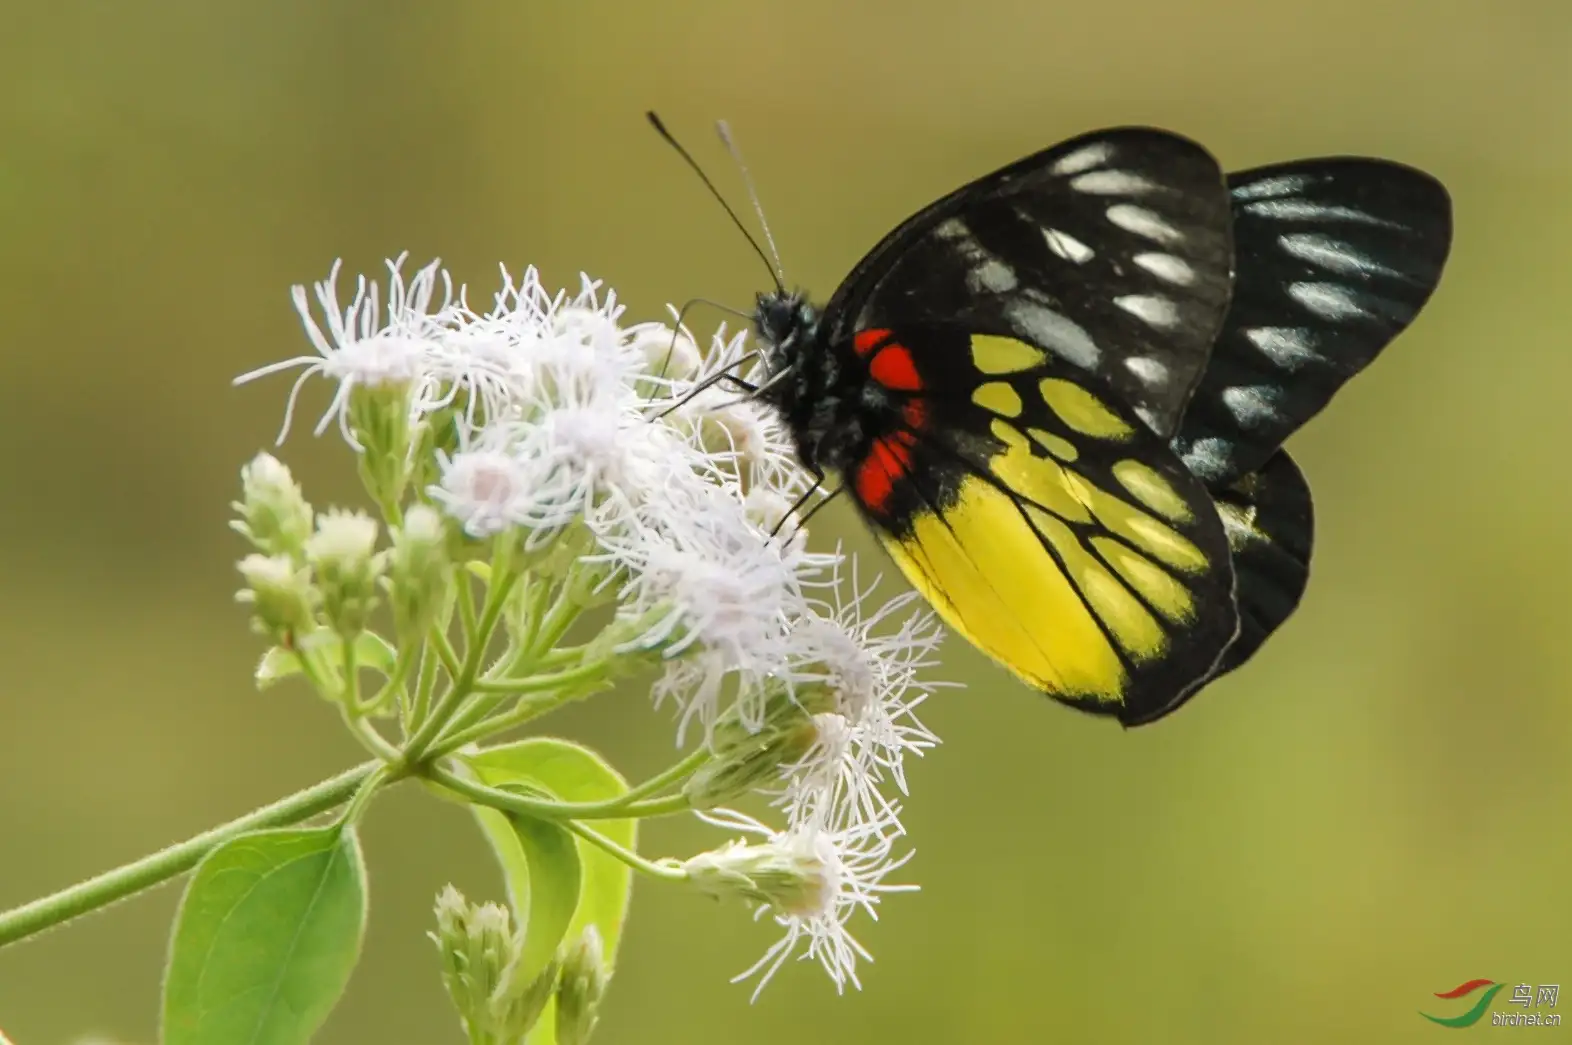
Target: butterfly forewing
x,y
1045,522
1335,258
1111,251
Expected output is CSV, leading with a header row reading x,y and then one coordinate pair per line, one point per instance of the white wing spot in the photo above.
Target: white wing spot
x,y
1251,405
952,228
1304,210
1330,301
1143,222
993,275
1168,268
1084,159
1067,246
1148,415
1054,331
1331,254
1266,188
1147,369
1111,183
1288,347
1156,311
1207,458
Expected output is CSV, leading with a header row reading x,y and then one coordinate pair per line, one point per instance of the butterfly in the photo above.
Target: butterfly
x,y
1059,394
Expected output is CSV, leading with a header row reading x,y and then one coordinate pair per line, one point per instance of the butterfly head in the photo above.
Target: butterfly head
x,y
786,322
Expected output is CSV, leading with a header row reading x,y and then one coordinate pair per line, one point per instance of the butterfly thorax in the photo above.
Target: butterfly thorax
x,y
821,391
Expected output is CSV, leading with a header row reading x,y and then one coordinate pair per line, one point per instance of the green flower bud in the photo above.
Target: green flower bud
x,y
280,595
583,983
475,946
274,515
343,552
480,956
437,431
789,876
743,759
378,417
418,570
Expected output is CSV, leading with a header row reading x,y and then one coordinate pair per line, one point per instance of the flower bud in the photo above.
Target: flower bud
x,y
436,438
788,874
580,989
343,552
274,515
378,416
744,758
281,597
480,957
418,570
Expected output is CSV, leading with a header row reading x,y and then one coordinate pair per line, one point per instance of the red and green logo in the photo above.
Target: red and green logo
x,y
1463,990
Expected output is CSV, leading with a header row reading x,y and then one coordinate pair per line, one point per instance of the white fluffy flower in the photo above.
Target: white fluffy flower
x,y
810,880
862,673
730,597
363,348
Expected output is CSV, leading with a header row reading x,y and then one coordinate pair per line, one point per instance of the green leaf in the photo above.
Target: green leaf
x,y
265,939
571,773
480,570
555,880
371,651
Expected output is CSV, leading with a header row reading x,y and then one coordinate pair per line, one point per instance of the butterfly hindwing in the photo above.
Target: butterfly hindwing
x,y
1044,521
1271,527
1335,257
1111,251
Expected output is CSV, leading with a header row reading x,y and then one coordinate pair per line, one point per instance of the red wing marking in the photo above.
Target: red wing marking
x,y
884,466
915,412
893,368
865,341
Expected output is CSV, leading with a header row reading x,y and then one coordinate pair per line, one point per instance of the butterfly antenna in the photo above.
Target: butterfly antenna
x,y
660,128
753,197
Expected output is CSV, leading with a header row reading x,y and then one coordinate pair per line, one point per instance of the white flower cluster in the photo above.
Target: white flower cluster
x,y
562,417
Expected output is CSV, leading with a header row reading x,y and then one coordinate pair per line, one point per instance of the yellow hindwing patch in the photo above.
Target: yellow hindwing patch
x,y
1079,585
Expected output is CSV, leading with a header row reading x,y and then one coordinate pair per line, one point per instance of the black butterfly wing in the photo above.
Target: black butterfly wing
x,y
1334,258
1110,250
1270,522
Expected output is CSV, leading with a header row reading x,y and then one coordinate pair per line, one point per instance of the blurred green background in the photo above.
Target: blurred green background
x,y
1376,809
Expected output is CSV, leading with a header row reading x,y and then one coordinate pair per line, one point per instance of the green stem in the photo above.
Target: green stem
x,y
463,733
425,682
537,683
373,741
446,653
351,696
666,870
464,677
629,802
466,606
22,922
394,686
362,797
472,724
641,810
549,809
557,621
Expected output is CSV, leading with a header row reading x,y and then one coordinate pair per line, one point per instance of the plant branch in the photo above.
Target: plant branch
x,y
102,890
